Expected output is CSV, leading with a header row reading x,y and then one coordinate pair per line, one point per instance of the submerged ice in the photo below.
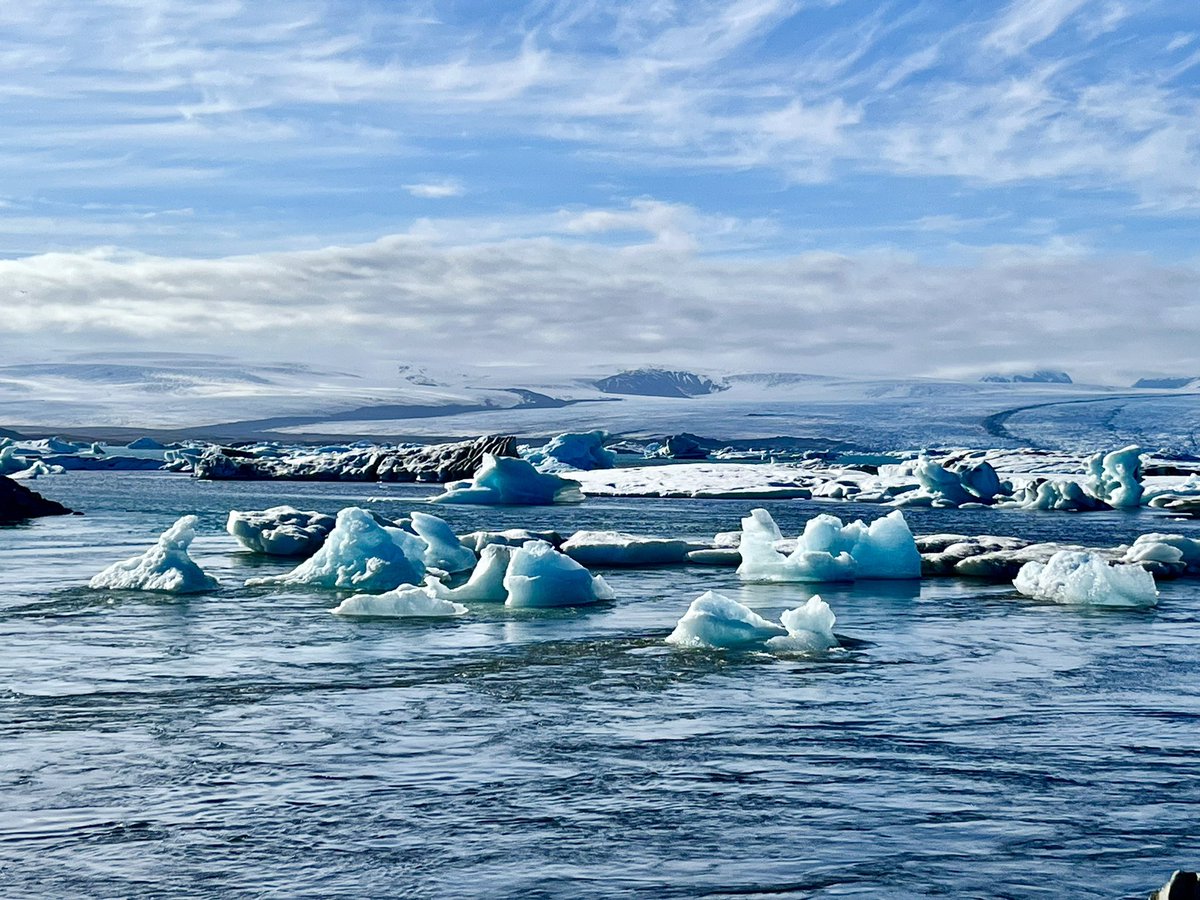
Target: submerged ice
x,y
165,567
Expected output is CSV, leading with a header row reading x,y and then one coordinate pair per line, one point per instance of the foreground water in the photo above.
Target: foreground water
x,y
969,743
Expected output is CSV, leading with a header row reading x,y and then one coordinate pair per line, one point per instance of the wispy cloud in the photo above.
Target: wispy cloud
x,y
436,190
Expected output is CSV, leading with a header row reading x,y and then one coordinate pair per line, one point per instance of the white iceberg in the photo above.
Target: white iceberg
x,y
443,549
406,601
506,481
280,530
359,554
165,567
715,622
539,576
486,583
1080,577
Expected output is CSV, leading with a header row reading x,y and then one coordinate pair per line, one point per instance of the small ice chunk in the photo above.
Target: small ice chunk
x,y
714,621
540,576
165,567
1080,577
444,550
506,481
359,554
280,530
406,601
809,628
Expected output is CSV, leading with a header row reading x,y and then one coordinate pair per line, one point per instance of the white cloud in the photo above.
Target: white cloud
x,y
436,190
1029,22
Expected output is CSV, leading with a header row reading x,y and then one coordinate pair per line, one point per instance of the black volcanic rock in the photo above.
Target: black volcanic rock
x,y
18,503
1041,376
654,382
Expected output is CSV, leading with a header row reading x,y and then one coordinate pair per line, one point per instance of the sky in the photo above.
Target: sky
x,y
930,188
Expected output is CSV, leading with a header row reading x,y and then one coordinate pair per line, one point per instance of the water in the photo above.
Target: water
x,y
968,743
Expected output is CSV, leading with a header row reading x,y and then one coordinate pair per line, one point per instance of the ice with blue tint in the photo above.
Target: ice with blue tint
x,y
359,554
166,567
715,622
486,583
617,548
505,481
280,530
574,450
1116,477
539,576
829,550
406,601
1084,578
443,549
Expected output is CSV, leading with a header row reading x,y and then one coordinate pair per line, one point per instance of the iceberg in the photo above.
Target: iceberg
x,y
574,450
1116,478
443,549
539,576
165,567
486,583
616,548
715,622
1085,578
406,601
280,530
504,481
359,554
829,550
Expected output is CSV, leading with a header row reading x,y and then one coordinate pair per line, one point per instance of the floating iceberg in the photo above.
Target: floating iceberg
x,y
503,481
280,530
486,583
165,567
829,550
443,548
406,601
1057,494
1116,478
1079,577
540,576
359,554
714,621
510,537
574,450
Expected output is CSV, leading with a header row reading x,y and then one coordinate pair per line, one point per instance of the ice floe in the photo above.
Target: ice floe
x,y
406,601
503,481
165,567
280,530
359,554
540,576
714,621
1077,577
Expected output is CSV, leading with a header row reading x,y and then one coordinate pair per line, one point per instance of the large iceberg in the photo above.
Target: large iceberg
x,y
829,550
443,549
574,450
540,576
1080,577
280,530
359,554
1116,478
406,601
165,567
715,622
503,481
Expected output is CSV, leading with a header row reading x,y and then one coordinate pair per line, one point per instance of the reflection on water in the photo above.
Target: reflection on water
x,y
964,743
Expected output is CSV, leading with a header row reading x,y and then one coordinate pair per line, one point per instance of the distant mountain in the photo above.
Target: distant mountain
x,y
1041,376
654,382
1167,383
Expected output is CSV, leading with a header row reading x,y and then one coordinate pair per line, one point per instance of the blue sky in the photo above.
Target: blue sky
x,y
1016,163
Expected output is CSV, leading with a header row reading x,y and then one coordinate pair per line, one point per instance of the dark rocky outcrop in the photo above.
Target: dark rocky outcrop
x,y
654,382
18,503
1041,376
437,463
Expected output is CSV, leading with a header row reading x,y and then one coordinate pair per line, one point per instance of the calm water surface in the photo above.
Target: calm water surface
x,y
968,743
